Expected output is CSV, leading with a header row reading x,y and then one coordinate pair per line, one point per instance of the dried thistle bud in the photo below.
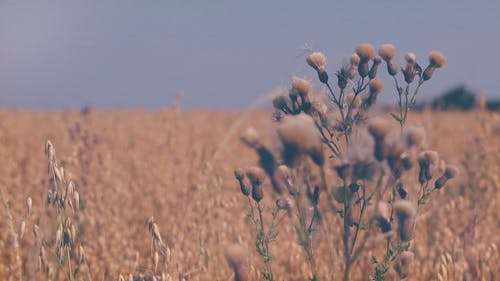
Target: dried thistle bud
x,y
378,128
415,136
355,59
451,171
376,86
239,174
409,73
317,61
387,52
402,263
300,86
353,100
373,70
256,175
300,136
284,204
436,60
366,52
251,138
411,58
428,161
282,103
257,193
405,214
382,216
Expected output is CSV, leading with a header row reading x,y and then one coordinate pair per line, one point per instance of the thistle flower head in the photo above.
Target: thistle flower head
x,y
437,59
402,263
451,171
299,135
352,99
378,127
383,216
387,51
405,214
256,175
239,174
250,137
365,51
355,59
317,60
284,204
376,86
415,136
300,86
411,58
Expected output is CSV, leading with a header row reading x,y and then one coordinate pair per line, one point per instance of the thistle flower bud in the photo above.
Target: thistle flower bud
x,y
343,75
428,162
378,128
299,136
415,136
256,175
450,172
373,70
355,59
387,52
302,88
382,216
436,60
251,138
366,52
353,101
236,256
405,214
411,58
240,176
283,103
402,263
392,68
317,61
409,73
376,86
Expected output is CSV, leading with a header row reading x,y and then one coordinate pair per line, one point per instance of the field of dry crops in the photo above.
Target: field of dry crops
x,y
177,166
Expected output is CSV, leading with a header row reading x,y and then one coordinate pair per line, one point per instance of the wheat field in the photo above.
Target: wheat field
x,y
177,166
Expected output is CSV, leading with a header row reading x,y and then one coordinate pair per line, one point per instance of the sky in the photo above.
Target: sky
x,y
224,54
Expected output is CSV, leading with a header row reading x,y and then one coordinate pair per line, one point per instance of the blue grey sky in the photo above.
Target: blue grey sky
x,y
223,54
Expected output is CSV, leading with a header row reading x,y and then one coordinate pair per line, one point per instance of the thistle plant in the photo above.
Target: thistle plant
x,y
376,166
